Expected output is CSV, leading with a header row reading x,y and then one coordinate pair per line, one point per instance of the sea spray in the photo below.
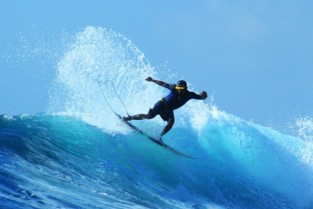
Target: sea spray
x,y
100,55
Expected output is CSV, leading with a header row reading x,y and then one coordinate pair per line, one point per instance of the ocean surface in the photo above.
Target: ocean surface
x,y
78,154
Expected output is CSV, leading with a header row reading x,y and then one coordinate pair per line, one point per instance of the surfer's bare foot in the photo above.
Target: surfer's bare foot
x,y
160,139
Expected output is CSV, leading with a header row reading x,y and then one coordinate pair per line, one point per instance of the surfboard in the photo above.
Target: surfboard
x,y
165,146
156,141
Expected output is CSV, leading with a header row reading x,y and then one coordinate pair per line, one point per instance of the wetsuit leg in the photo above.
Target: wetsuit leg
x,y
151,114
141,116
170,122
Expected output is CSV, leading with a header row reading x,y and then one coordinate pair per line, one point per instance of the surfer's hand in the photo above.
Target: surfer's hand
x,y
149,79
203,95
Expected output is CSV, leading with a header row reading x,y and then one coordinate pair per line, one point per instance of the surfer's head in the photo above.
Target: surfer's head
x,y
181,85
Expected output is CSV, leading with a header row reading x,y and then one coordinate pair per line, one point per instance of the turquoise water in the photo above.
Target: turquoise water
x,y
79,155
61,162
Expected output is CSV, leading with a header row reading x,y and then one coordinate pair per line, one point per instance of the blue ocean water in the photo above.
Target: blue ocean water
x,y
79,155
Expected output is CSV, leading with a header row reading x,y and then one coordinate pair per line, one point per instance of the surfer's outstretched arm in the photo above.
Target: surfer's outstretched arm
x,y
160,83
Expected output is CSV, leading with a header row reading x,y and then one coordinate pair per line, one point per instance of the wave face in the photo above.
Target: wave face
x,y
79,155
60,162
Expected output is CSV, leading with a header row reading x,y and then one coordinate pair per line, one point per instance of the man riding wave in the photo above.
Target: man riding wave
x,y
178,96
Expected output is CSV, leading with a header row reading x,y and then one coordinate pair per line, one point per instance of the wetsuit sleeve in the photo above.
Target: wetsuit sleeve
x,y
169,86
193,95
163,84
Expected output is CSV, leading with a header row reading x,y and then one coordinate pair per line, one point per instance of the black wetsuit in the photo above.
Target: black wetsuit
x,y
173,101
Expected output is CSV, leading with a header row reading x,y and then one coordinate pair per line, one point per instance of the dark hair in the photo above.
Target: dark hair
x,y
182,83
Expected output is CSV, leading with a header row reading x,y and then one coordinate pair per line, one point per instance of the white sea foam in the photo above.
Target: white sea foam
x,y
101,55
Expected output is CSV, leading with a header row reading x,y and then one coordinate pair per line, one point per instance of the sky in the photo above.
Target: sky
x,y
255,57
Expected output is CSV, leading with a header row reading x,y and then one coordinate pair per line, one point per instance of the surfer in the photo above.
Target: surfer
x,y
178,96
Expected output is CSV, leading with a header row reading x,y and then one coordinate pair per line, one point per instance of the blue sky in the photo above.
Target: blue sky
x,y
255,56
